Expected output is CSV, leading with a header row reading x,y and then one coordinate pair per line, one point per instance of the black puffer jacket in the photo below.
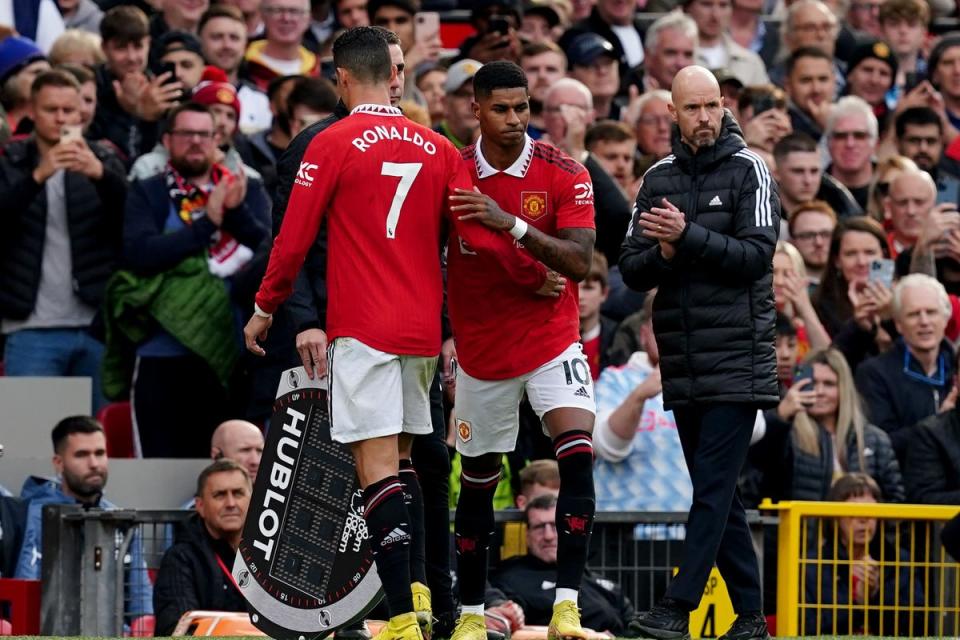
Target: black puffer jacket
x,y
94,220
714,313
932,471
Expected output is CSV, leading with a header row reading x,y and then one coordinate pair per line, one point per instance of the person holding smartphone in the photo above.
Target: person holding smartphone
x,y
817,429
65,200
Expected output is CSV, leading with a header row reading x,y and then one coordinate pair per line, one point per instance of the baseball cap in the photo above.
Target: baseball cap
x,y
726,76
459,72
587,47
16,52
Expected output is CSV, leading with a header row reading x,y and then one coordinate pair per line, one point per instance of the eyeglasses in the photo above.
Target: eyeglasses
x,y
859,136
186,134
809,236
556,109
293,12
826,27
652,121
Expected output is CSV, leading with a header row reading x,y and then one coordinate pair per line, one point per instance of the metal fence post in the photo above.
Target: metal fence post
x,y
62,547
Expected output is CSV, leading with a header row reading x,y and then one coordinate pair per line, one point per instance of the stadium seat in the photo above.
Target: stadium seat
x,y
142,627
118,425
22,599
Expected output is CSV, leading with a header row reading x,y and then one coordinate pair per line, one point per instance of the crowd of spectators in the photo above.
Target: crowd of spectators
x,y
138,180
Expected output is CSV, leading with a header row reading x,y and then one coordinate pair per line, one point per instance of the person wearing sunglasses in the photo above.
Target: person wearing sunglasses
x,y
852,134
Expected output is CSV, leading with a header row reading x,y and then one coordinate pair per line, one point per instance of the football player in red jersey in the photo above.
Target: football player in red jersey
x,y
544,199
383,182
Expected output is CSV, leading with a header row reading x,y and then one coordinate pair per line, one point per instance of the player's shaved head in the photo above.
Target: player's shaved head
x,y
501,74
363,52
697,106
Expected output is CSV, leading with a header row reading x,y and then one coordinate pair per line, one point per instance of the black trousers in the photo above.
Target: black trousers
x,y
431,459
715,438
177,404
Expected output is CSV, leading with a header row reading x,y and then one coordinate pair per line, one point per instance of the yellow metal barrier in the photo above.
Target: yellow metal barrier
x,y
846,568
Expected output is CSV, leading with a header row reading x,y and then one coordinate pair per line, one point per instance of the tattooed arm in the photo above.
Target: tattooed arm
x,y
569,254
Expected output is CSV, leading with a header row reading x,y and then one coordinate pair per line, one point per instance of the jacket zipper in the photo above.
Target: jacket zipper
x,y
691,212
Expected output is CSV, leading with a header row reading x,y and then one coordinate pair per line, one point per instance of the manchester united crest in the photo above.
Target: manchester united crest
x,y
533,204
464,431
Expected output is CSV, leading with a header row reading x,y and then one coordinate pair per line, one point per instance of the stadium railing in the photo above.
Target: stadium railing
x,y
91,575
824,589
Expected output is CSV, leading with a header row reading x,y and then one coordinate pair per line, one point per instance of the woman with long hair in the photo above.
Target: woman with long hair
x,y
819,430
854,310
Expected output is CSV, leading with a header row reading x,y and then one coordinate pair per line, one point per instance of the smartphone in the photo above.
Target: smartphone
x,y
763,103
882,271
499,24
71,133
171,68
803,372
426,26
911,80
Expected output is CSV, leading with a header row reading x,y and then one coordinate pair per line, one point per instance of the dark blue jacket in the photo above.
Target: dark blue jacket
x,y
828,583
38,492
148,250
896,401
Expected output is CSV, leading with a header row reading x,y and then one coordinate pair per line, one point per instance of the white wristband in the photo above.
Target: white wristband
x,y
257,311
519,229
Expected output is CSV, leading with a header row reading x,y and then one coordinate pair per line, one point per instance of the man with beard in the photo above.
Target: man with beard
x,y
920,137
187,232
80,463
704,232
810,86
195,572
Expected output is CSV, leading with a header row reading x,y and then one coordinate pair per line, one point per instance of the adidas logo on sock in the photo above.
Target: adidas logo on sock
x,y
716,202
581,393
397,535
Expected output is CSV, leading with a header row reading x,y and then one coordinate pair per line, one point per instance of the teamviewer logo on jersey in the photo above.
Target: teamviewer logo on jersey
x,y
304,175
584,194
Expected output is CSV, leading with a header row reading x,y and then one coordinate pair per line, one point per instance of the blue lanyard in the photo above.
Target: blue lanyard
x,y
932,381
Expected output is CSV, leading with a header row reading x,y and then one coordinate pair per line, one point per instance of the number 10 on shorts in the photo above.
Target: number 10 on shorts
x,y
577,370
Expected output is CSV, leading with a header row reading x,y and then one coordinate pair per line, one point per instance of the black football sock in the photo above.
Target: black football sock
x,y
413,499
575,505
388,528
473,528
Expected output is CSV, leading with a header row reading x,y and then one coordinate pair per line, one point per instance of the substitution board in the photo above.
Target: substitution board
x,y
304,565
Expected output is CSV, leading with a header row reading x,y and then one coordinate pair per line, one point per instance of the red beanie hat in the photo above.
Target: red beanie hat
x,y
214,88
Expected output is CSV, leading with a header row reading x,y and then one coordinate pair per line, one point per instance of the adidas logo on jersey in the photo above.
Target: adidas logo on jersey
x,y
397,535
582,393
716,202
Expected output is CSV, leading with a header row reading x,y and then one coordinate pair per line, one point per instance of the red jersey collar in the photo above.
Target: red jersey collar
x,y
518,169
377,110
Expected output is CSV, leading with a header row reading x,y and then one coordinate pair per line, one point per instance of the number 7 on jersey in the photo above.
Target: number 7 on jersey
x,y
407,172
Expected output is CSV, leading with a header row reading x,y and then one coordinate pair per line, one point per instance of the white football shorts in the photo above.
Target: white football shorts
x,y
374,394
488,411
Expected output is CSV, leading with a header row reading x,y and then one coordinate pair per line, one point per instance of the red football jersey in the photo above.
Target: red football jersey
x,y
384,182
502,328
